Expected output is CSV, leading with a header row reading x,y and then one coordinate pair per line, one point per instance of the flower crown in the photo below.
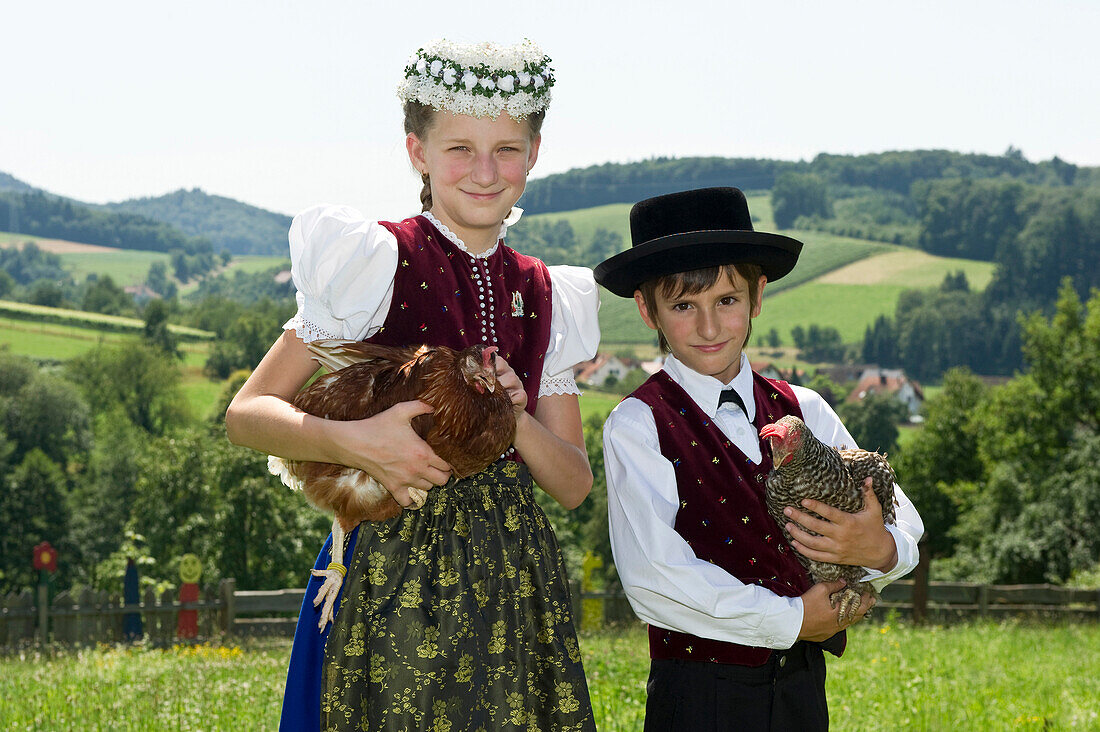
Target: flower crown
x,y
481,79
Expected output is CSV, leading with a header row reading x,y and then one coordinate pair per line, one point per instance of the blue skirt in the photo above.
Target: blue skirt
x,y
302,698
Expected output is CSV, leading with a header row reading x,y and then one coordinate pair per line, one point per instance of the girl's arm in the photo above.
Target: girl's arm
x,y
262,417
551,442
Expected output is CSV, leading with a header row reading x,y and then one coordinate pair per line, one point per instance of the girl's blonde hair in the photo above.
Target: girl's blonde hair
x,y
419,119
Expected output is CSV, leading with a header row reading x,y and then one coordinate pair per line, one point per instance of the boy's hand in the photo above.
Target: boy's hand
x,y
820,619
858,539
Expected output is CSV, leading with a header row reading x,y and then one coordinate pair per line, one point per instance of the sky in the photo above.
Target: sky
x,y
287,104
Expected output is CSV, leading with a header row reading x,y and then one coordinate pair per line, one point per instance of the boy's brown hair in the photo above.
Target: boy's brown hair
x,y
695,281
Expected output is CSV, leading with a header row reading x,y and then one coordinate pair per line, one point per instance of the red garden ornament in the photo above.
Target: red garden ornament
x,y
45,557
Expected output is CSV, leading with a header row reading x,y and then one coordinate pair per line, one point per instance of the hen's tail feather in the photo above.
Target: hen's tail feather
x,y
281,467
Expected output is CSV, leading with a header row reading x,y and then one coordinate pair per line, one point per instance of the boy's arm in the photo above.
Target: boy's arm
x,y
908,529
667,585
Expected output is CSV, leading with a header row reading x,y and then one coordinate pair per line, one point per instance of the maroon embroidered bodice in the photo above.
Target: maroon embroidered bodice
x,y
722,513
444,296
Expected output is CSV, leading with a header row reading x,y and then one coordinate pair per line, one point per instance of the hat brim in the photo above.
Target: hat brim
x,y
623,273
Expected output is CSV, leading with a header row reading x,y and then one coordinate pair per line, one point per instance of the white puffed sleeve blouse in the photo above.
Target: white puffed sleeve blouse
x,y
343,266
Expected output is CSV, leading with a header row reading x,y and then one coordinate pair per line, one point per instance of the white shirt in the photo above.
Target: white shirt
x,y
343,266
667,585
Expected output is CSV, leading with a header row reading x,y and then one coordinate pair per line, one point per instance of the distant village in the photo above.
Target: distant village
x,y
609,371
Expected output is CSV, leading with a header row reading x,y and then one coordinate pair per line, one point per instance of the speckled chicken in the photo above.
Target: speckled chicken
x,y
471,426
804,467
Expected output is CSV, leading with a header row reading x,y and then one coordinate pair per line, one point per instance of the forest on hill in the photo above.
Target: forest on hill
x,y
894,171
190,221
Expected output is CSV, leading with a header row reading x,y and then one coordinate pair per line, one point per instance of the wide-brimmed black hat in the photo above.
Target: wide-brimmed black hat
x,y
690,230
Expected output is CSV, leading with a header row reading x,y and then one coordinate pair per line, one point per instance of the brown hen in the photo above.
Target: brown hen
x,y
471,425
804,467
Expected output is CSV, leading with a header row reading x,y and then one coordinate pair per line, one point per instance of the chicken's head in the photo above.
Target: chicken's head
x,y
786,436
478,365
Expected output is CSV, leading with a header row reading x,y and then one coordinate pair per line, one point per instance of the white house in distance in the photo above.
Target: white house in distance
x,y
889,381
605,365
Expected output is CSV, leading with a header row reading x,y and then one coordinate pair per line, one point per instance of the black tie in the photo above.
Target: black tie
x,y
730,395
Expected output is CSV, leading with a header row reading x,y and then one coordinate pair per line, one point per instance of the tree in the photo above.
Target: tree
x,y
104,296
48,414
137,378
156,328
157,280
32,510
1036,436
942,463
101,500
873,421
799,194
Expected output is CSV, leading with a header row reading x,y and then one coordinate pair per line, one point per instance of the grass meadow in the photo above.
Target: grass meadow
x,y
975,676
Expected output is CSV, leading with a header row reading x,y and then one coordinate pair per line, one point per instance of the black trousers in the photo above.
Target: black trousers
x,y
786,694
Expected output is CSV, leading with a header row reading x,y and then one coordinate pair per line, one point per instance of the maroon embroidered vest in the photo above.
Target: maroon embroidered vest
x,y
443,296
722,514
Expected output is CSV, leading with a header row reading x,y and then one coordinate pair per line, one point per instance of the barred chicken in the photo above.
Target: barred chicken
x,y
471,426
804,467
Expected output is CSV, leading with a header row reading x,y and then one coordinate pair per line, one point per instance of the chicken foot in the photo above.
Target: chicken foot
x,y
334,578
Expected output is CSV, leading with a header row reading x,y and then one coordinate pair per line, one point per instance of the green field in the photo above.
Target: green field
x,y
126,267
976,677
54,342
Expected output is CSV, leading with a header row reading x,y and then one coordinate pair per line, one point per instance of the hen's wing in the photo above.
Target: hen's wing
x,y
335,354
378,378
863,463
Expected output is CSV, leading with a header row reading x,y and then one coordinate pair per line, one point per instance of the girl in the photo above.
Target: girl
x,y
457,614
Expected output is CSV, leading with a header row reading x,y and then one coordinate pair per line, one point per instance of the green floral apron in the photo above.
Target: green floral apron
x,y
457,617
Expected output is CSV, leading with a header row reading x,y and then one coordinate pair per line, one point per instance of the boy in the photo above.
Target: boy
x,y
736,631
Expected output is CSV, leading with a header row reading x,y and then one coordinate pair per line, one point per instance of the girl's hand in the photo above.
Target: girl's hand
x,y
511,383
858,539
387,447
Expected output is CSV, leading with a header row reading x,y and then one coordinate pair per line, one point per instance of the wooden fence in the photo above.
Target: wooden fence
x,y
91,617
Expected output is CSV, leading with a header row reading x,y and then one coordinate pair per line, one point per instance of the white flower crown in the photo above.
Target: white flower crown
x,y
481,79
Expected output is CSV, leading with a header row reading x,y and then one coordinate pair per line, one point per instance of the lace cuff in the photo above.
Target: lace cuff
x,y
306,330
551,385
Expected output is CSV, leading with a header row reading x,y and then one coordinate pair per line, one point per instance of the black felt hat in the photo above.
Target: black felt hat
x,y
680,232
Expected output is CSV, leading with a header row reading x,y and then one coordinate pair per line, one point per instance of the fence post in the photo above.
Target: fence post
x,y
920,584
226,588
983,600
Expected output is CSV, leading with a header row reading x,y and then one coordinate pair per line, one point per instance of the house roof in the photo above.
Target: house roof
x,y
882,381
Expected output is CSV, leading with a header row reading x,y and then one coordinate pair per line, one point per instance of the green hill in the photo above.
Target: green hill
x,y
227,223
